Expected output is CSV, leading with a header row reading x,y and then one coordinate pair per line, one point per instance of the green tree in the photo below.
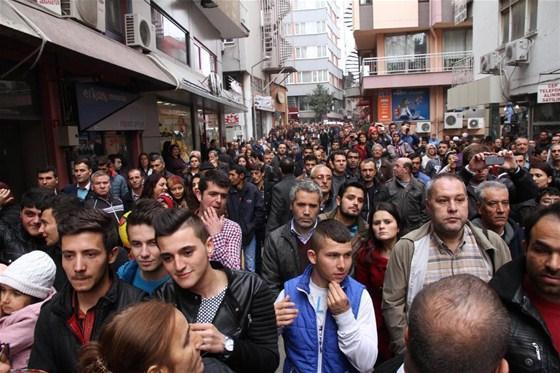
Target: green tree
x,y
321,102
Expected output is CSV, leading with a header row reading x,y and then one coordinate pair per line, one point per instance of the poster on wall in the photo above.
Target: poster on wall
x,y
384,106
411,104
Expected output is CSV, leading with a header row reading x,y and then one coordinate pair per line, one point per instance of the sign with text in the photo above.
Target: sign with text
x,y
384,106
548,93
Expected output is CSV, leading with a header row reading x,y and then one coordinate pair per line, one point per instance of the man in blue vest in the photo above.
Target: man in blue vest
x,y
327,318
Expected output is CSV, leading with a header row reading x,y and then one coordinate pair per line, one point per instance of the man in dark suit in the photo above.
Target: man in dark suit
x,y
82,173
280,202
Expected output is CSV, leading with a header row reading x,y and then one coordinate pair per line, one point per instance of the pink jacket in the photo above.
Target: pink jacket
x,y
17,330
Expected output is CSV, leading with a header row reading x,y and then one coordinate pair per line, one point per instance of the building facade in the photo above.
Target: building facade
x,y
409,51
87,78
516,54
313,28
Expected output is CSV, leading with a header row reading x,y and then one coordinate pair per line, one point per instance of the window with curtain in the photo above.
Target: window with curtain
x,y
407,44
518,18
457,40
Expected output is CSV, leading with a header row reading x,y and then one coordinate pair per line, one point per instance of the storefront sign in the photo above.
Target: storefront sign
x,y
411,104
548,93
264,103
384,106
460,11
231,120
96,103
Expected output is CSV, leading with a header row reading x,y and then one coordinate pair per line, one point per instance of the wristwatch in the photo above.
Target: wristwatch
x,y
228,346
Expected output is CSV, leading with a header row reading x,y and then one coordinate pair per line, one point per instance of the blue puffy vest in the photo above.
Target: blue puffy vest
x,y
300,338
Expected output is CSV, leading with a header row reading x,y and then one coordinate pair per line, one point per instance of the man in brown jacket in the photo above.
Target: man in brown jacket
x,y
445,246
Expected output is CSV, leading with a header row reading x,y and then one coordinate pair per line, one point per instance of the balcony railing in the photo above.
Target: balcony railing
x,y
413,63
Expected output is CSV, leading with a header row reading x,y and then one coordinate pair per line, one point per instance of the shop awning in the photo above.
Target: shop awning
x,y
196,84
71,35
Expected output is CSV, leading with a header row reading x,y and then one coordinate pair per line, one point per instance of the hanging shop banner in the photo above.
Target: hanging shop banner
x,y
231,119
384,106
96,103
548,93
411,104
264,103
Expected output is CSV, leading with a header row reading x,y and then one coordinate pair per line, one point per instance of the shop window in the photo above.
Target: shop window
x,y
171,38
175,125
518,17
204,61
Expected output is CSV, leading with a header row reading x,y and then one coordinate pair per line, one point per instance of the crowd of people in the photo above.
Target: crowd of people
x,y
362,248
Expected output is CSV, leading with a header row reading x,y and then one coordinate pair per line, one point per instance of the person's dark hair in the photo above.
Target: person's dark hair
x,y
103,160
310,158
447,322
391,209
45,169
61,205
169,221
217,177
34,197
471,150
112,157
551,191
332,229
143,213
335,153
445,175
149,185
544,167
140,159
123,347
85,161
552,210
287,166
414,155
90,220
240,170
351,184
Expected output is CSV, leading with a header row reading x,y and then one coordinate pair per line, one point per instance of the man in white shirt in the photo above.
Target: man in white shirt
x,y
327,318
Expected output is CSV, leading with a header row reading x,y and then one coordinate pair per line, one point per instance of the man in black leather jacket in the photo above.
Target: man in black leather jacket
x,y
232,311
75,315
530,289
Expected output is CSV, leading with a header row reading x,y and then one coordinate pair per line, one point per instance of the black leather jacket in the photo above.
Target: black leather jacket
x,y
246,315
56,347
530,348
15,241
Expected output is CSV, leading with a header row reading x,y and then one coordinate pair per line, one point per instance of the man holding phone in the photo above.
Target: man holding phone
x,y
477,162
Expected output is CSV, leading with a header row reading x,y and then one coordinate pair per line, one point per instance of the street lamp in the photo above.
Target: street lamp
x,y
254,112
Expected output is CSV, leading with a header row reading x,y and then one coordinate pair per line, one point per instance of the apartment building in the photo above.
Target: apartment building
x,y
516,54
313,28
410,51
91,77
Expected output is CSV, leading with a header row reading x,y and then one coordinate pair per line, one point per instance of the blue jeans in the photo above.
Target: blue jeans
x,y
250,251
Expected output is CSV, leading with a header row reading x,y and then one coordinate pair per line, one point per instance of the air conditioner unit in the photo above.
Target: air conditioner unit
x,y
517,52
89,12
453,120
139,32
475,123
489,63
423,127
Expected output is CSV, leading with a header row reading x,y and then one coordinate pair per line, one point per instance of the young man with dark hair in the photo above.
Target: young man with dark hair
x,y
145,270
232,311
76,314
246,208
529,287
47,178
349,204
548,196
53,209
327,317
22,235
226,234
82,172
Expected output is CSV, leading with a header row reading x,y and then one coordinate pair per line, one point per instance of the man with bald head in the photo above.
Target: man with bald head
x,y
447,245
406,193
446,324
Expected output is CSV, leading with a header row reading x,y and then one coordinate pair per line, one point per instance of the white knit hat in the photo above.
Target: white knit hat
x,y
31,274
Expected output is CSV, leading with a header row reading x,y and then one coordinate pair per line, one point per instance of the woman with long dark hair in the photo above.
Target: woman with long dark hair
x,y
144,165
371,263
